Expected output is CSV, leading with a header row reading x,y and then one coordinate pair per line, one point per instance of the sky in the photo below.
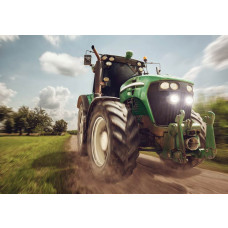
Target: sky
x,y
48,71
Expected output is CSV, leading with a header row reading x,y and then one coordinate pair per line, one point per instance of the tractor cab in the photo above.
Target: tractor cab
x,y
116,71
112,71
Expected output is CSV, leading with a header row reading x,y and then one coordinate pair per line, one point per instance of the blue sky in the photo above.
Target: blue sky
x,y
48,70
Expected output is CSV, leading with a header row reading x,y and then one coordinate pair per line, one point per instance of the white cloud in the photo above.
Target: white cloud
x,y
214,91
216,54
5,94
71,37
53,98
8,38
62,64
192,73
12,78
53,40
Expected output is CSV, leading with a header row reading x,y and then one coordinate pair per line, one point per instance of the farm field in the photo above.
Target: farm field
x,y
33,164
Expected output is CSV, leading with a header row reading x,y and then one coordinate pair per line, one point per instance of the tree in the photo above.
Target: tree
x,y
43,120
60,126
9,125
5,112
21,119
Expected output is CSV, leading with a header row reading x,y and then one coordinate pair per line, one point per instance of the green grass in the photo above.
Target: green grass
x,y
219,163
30,164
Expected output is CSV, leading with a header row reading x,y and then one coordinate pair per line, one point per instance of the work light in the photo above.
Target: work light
x,y
139,64
164,85
111,59
104,57
108,64
189,88
174,86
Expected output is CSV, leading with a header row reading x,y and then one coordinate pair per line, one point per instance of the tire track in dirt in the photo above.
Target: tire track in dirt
x,y
150,176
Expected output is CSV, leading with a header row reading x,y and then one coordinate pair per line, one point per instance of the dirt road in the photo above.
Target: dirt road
x,y
150,176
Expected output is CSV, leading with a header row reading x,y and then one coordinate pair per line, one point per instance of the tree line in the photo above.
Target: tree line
x,y
27,120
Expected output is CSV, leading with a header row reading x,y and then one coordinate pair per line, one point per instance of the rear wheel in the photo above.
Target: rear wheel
x,y
82,149
192,162
112,141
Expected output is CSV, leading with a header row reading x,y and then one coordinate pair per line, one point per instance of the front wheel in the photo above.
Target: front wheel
x,y
112,141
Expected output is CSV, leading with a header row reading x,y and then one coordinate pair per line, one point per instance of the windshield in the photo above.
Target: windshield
x,y
118,73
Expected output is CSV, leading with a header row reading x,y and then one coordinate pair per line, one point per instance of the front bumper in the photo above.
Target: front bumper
x,y
174,140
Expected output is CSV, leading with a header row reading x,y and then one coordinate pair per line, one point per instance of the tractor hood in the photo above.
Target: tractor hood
x,y
148,79
162,104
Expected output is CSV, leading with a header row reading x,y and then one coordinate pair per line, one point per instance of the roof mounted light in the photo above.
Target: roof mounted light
x,y
111,59
108,63
104,57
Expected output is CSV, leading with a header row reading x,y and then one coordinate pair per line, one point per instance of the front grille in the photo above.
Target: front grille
x,y
165,113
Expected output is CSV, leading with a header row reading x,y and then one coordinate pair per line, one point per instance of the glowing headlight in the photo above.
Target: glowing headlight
x,y
104,57
174,86
139,64
108,64
164,85
111,59
189,88
140,69
189,100
174,99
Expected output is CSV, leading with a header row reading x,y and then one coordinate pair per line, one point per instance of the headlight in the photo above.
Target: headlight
x,y
174,99
108,64
189,88
174,86
104,57
139,64
111,59
164,85
140,69
189,100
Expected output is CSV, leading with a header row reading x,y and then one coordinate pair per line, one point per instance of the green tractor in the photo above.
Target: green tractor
x,y
130,111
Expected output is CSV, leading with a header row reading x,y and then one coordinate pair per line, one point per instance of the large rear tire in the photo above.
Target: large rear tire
x,y
112,141
192,162
81,135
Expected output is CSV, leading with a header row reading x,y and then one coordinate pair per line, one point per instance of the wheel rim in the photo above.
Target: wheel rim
x,y
99,142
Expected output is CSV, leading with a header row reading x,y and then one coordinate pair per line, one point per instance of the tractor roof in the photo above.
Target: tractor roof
x,y
121,59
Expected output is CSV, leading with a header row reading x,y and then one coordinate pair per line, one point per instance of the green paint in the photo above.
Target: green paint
x,y
90,98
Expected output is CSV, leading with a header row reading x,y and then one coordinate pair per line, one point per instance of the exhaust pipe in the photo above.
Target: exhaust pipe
x,y
192,143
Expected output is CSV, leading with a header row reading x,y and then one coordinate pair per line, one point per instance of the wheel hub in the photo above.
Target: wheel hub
x,y
99,142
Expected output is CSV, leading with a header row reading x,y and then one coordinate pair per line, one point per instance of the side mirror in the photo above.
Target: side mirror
x,y
158,71
87,59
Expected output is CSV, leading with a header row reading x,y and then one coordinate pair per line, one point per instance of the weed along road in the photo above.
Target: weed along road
x,y
150,176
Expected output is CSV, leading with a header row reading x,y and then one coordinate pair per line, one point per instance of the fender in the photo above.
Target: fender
x,y
93,104
85,103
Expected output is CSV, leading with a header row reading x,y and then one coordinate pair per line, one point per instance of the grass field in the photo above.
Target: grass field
x,y
33,164
219,163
